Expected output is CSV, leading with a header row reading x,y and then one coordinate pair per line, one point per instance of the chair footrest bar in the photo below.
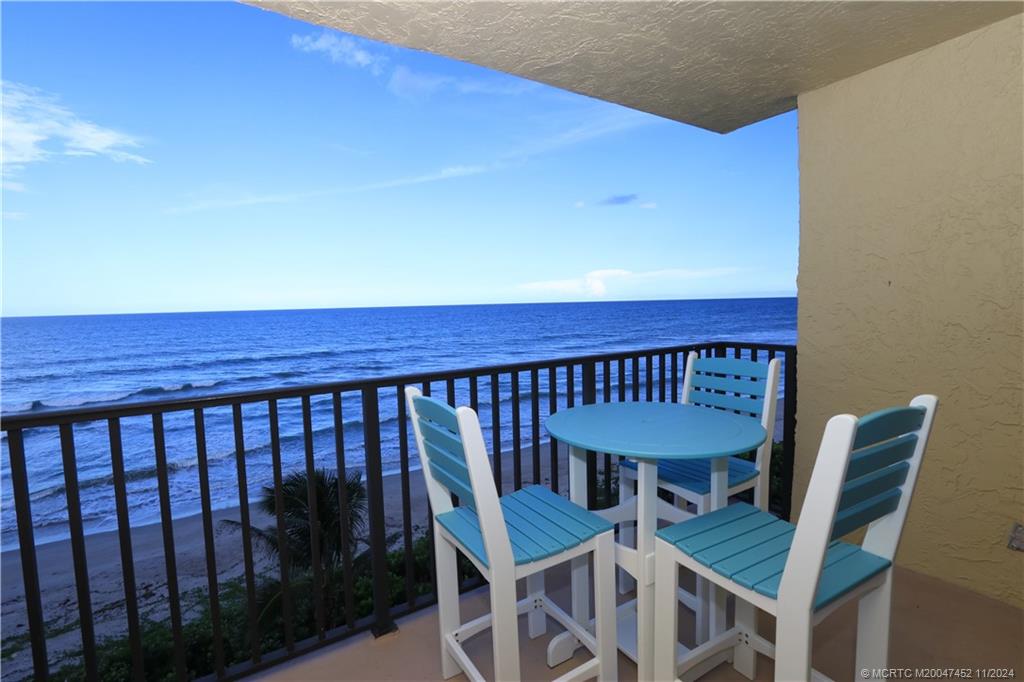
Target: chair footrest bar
x,y
459,654
565,620
559,649
472,628
721,643
469,629
707,665
584,671
761,645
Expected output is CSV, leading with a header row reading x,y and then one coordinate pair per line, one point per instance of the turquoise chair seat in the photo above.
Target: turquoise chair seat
x,y
695,474
750,547
540,524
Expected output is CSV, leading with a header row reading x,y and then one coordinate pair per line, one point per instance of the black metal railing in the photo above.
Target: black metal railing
x,y
396,560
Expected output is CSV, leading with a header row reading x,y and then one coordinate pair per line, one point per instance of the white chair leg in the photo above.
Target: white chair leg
x,y
504,630
536,620
604,608
703,593
761,492
626,532
873,613
744,658
792,646
448,615
666,622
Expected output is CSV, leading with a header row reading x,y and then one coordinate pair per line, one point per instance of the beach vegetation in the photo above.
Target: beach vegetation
x,y
114,653
296,517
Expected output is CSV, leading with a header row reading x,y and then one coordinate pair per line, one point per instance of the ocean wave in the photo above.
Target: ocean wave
x,y
148,353
187,364
150,392
192,463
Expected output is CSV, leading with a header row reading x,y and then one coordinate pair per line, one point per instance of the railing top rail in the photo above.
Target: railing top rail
x,y
24,420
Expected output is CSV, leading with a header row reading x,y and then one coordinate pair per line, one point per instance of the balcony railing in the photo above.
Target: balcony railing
x,y
512,399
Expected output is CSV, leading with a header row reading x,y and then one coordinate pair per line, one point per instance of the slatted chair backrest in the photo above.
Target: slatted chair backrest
x,y
882,474
864,476
745,386
453,457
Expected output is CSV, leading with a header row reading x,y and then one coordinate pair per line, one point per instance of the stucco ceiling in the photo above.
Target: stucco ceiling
x,y
717,65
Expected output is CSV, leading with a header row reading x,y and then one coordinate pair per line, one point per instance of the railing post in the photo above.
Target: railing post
x,y
553,442
788,432
589,398
27,545
383,623
86,625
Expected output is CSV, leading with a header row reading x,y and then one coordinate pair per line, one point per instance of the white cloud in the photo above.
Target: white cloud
x,y
446,173
579,204
597,124
342,49
649,205
418,85
36,127
358,53
598,283
506,85
593,283
410,84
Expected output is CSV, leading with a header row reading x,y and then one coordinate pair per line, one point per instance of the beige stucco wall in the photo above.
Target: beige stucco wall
x,y
912,281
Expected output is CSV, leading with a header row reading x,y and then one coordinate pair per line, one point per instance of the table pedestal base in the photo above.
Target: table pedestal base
x,y
636,621
563,646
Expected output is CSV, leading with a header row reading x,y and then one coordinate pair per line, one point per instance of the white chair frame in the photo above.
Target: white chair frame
x,y
794,608
702,503
502,575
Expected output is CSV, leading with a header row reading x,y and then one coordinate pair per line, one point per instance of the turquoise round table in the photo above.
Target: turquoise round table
x,y
656,430
645,433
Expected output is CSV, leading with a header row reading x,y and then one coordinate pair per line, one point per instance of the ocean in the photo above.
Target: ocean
x,y
63,362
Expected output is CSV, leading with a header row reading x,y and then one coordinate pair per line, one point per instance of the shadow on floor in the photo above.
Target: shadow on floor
x,y
935,625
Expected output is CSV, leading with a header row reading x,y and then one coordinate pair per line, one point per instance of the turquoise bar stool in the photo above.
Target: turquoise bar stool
x,y
736,385
742,386
509,538
864,476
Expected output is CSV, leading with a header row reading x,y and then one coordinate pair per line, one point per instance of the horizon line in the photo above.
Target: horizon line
x,y
397,306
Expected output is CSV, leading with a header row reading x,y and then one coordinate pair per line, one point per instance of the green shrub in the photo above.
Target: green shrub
x,y
114,654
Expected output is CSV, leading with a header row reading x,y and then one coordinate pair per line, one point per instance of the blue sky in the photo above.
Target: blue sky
x,y
193,156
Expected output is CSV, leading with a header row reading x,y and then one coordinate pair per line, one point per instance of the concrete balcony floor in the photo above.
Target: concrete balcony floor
x,y
934,625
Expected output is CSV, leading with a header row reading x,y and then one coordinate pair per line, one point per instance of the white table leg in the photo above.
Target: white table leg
x,y
646,526
562,646
580,570
719,498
